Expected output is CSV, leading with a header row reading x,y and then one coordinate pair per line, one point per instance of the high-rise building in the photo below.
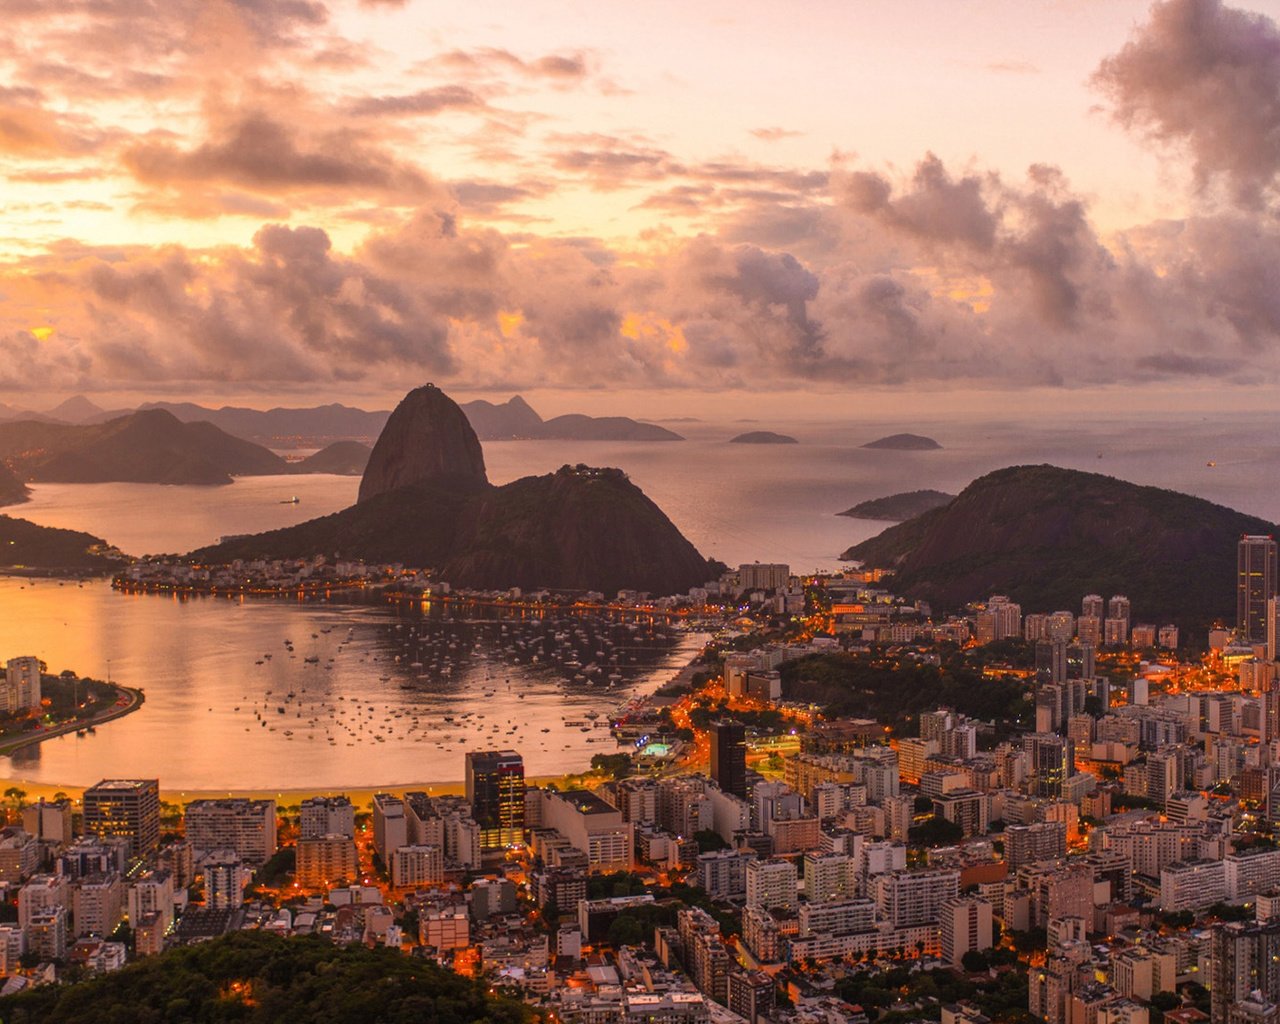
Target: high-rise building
x,y
125,807
965,926
246,826
771,884
390,826
495,791
1255,585
327,816
1092,606
1246,958
1052,762
1051,660
326,861
729,757
21,690
763,576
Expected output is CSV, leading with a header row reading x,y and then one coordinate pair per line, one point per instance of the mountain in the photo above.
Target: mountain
x,y
898,507
12,490
254,977
142,447
346,458
425,501
577,427
25,544
904,443
76,410
763,437
1047,536
335,421
426,440
515,420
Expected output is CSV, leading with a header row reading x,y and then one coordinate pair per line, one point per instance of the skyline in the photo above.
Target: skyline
x,y
306,201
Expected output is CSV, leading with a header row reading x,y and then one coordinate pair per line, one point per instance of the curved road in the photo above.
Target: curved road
x,y
128,700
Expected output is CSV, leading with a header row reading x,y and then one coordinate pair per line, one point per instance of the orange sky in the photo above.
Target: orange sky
x,y
322,198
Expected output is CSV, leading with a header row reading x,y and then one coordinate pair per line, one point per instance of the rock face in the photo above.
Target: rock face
x,y
898,507
904,443
1047,536
427,440
763,437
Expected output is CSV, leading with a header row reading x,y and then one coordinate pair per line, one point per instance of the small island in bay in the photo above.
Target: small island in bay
x,y
904,443
763,437
898,507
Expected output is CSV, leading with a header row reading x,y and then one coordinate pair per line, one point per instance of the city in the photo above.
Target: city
x,y
1101,851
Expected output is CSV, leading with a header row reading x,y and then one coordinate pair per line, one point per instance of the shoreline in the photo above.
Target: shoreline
x,y
135,699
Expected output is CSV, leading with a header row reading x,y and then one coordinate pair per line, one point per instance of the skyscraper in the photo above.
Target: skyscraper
x,y
125,807
729,757
1255,584
1246,958
495,791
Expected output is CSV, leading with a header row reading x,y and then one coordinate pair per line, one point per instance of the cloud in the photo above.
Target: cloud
x,y
569,68
425,101
775,134
257,152
1206,76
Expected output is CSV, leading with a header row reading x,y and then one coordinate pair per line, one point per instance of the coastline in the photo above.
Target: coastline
x,y
132,698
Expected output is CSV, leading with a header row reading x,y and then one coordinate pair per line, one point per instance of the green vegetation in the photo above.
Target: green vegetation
x,y
935,831
616,766
1045,536
256,978
26,545
899,507
861,686
1003,998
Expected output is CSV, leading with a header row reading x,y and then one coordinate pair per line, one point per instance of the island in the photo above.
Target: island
x,y
344,458
763,437
29,549
904,443
898,507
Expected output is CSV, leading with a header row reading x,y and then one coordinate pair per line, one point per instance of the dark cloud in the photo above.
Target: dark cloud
x,y
256,152
1205,75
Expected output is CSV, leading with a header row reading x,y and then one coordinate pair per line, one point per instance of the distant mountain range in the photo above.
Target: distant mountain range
x,y
425,500
514,419
1047,536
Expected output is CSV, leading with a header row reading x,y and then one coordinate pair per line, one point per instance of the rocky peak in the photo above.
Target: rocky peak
x,y
427,438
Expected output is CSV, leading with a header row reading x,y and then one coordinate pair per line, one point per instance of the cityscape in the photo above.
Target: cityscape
x,y
669,513
1101,849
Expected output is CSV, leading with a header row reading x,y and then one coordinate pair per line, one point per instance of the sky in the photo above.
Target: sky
x,y
309,200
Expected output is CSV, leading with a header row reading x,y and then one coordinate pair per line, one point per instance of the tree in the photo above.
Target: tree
x,y
616,766
709,840
625,931
935,831
974,961
15,796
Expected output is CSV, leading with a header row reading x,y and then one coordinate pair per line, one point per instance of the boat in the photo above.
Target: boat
x,y
295,500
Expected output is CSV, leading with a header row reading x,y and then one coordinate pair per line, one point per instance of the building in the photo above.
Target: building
x,y
1245,959
751,995
325,862
225,879
390,825
327,816
965,923
49,821
729,757
908,898
246,826
150,894
771,884
495,791
445,928
1255,585
763,576
723,873
21,691
47,933
128,808
592,826
1192,884
413,867
98,904
1026,844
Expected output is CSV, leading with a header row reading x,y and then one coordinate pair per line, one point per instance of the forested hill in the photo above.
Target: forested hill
x,y
257,978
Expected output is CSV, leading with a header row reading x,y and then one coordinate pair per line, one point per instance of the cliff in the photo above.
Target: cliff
x,y
1047,536
427,439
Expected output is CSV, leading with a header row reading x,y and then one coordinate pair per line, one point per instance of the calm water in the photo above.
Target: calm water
x,y
196,660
